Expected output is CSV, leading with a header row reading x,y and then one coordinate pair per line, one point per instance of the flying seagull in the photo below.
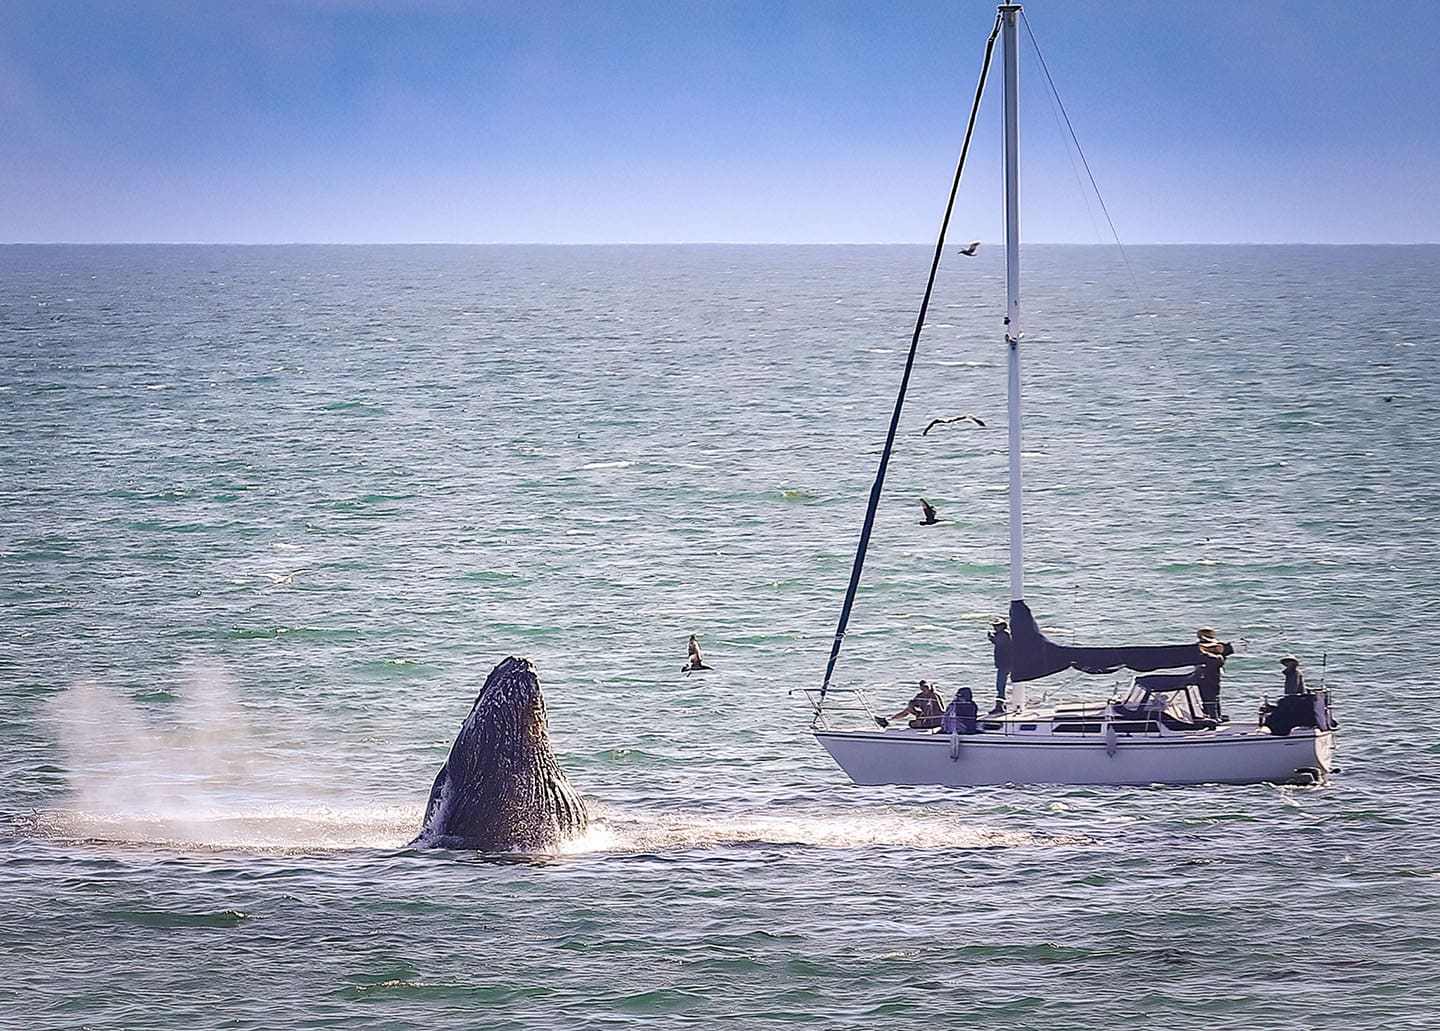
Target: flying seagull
x,y
969,252
959,418
930,519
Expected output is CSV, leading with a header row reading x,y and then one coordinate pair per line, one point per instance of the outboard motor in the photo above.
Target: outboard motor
x,y
1324,718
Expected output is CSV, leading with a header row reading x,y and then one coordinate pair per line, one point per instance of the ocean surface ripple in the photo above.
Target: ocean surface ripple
x,y
270,514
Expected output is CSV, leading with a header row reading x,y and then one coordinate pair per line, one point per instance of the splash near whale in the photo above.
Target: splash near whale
x,y
501,789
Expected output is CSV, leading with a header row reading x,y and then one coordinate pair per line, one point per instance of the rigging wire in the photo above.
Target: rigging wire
x,y
1052,98
1079,150
875,490
1145,300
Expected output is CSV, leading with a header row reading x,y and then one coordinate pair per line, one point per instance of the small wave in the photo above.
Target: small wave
x,y
608,465
261,633
635,755
179,918
400,667
354,407
611,518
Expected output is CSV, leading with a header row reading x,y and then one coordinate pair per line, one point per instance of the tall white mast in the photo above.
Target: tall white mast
x,y
1010,16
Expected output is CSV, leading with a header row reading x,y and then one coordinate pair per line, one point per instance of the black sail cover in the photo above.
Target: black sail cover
x,y
1034,656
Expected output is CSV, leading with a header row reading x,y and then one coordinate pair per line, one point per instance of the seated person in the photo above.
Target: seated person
x,y
1294,679
925,707
960,717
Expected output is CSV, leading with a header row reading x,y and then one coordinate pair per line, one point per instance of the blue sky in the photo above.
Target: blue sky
x,y
766,121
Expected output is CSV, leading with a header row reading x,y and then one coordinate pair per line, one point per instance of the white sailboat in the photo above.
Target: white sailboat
x,y
1157,733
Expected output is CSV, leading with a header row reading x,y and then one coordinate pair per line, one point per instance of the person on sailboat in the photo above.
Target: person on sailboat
x,y
999,636
1297,707
1294,679
695,663
925,707
1213,652
961,715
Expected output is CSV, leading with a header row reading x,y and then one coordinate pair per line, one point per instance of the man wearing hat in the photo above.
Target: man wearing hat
x,y
1207,675
1294,679
999,636
1297,708
926,707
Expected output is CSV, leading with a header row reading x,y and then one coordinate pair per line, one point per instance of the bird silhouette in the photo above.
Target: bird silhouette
x,y
695,663
930,517
959,418
969,252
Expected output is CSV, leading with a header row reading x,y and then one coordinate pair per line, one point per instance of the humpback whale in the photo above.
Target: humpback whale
x,y
501,789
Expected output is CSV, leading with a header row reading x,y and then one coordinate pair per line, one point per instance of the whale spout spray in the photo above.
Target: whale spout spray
x,y
501,789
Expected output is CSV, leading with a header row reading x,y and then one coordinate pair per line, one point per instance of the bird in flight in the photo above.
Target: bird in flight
x,y
969,252
959,418
930,517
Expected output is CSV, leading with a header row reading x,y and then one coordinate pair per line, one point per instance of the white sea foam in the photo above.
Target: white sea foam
x,y
276,827
630,832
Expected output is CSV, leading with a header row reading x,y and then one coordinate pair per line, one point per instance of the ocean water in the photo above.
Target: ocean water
x,y
269,515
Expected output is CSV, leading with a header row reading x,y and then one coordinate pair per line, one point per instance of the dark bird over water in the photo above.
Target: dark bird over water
x,y
696,662
959,418
969,252
930,517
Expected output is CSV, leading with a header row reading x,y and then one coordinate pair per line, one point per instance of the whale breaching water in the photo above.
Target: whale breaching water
x,y
501,789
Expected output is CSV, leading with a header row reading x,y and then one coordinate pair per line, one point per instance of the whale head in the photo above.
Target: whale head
x,y
501,789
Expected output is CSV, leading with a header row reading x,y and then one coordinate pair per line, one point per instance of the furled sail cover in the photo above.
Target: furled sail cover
x,y
1034,656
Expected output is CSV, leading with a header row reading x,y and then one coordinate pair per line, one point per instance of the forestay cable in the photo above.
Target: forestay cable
x,y
875,491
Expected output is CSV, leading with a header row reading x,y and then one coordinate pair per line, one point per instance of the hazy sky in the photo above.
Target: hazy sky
x,y
683,120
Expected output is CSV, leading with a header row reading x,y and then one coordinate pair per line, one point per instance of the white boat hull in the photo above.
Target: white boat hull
x,y
1243,754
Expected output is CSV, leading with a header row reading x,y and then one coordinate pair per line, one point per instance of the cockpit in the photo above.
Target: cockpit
x,y
1167,698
